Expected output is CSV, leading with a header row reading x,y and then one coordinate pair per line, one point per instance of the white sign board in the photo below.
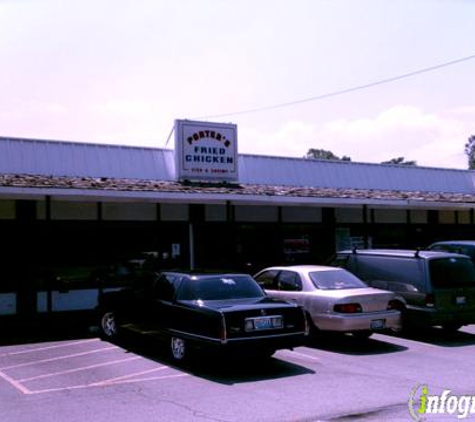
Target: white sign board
x,y
206,151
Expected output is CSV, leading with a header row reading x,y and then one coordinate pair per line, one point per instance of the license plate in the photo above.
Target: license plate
x,y
377,324
262,323
460,300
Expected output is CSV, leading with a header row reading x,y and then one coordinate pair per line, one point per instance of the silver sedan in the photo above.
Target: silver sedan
x,y
334,299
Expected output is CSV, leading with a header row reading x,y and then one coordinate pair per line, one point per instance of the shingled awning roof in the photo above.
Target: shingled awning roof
x,y
122,188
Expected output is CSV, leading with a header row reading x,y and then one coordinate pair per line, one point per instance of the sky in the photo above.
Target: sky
x,y
121,72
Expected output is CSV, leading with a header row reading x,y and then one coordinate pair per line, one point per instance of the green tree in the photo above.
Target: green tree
x,y
400,160
323,154
470,152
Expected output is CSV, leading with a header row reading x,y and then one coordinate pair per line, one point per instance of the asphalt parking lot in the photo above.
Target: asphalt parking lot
x,y
69,365
80,377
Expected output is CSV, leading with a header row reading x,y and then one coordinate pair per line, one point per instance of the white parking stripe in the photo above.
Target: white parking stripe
x,y
39,349
148,379
16,384
75,387
20,385
302,354
83,368
113,380
402,341
58,358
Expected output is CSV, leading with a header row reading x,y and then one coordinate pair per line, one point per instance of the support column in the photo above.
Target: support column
x,y
366,226
191,243
48,208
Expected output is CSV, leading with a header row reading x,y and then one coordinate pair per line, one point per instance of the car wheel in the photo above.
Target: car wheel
x,y
108,325
451,328
178,348
396,331
264,354
362,334
313,331
404,326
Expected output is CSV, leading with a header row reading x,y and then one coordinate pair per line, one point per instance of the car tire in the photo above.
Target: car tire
x,y
178,349
108,326
313,330
364,334
451,328
404,326
264,354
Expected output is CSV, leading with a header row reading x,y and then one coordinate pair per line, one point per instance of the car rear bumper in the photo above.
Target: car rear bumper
x,y
375,321
270,342
249,344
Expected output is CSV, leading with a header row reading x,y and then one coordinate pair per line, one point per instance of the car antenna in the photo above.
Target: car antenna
x,y
355,249
418,250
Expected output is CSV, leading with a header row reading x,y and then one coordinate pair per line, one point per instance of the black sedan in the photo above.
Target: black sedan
x,y
224,312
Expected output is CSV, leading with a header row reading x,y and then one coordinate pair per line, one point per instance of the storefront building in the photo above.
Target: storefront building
x,y
202,206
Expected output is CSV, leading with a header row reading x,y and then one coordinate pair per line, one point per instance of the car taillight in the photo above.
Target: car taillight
x,y
429,301
347,308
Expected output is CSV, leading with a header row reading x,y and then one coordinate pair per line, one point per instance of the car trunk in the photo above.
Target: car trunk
x,y
371,300
235,317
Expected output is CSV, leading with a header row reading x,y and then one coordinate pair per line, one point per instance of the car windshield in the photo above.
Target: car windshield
x,y
335,280
452,272
221,288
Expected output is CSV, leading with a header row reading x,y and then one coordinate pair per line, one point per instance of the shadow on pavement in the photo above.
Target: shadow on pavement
x,y
226,370
222,369
439,337
347,344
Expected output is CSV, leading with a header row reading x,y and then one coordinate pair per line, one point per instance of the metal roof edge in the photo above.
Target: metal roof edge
x,y
82,143
357,163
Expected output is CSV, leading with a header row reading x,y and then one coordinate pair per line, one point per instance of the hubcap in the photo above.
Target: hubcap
x,y
178,348
109,325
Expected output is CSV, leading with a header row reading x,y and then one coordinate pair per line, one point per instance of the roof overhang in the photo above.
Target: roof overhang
x,y
199,196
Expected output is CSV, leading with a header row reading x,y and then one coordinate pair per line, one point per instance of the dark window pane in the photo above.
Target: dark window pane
x,y
268,279
220,288
452,272
290,281
164,288
409,271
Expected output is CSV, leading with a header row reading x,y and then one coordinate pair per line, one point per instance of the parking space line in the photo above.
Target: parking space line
x,y
302,354
83,368
102,349
108,382
15,383
39,349
76,387
402,341
140,376
123,377
148,379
